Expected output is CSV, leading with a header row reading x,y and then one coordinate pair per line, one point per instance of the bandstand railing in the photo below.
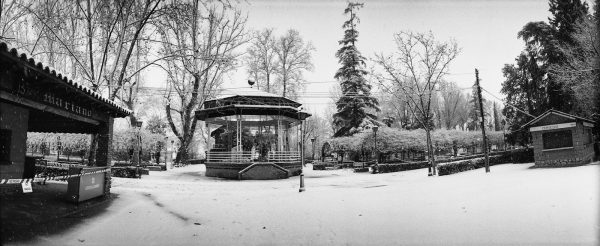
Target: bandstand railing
x,y
284,156
232,157
247,157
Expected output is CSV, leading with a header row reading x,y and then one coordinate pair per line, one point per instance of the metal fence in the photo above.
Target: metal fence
x,y
248,156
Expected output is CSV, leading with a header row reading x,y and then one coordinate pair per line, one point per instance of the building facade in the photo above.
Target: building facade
x,y
561,139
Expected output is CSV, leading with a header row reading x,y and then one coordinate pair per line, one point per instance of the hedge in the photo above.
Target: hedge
x,y
522,155
463,163
197,161
389,168
515,156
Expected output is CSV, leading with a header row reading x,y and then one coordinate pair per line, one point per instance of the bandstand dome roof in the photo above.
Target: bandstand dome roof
x,y
250,101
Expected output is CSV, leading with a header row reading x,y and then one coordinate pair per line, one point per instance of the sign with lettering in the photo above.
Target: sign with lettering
x,y
91,186
26,187
552,127
24,89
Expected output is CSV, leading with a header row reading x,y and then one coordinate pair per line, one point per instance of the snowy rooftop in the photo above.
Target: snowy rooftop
x,y
244,91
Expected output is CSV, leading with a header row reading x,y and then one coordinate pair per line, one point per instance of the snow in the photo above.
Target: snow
x,y
514,204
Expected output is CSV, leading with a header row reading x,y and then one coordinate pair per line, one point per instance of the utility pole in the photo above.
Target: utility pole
x,y
485,146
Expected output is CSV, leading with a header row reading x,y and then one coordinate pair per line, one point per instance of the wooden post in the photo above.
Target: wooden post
x,y
104,150
485,146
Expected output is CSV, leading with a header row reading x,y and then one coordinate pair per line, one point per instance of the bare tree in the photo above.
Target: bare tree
x,y
294,57
453,103
203,38
98,38
261,59
92,41
12,13
416,69
319,129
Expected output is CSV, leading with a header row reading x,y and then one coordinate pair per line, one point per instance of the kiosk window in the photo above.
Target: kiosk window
x,y
559,139
5,138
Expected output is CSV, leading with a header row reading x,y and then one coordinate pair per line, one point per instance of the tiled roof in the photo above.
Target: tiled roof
x,y
559,113
246,91
120,111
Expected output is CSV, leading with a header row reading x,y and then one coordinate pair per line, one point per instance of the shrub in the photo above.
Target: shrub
x,y
388,168
361,170
124,172
479,162
522,155
318,167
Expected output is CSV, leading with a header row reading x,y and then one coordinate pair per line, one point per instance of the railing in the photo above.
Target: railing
x,y
235,157
284,156
247,157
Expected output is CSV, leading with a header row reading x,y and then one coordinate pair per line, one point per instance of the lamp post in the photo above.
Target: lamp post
x,y
302,131
58,148
312,140
138,140
166,148
375,128
504,133
172,150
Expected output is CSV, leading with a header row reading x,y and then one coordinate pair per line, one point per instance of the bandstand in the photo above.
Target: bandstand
x,y
253,135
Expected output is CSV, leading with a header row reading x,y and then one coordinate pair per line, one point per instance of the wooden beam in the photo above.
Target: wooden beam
x,y
40,106
552,127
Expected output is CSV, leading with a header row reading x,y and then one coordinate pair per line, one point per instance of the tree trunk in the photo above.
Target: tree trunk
x,y
182,154
430,152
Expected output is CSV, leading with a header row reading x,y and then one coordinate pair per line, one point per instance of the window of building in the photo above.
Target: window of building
x,y
558,139
5,138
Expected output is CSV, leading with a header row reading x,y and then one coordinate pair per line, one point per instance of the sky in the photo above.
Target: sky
x,y
486,32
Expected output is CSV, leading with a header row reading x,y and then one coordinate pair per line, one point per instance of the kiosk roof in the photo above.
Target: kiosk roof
x,y
60,81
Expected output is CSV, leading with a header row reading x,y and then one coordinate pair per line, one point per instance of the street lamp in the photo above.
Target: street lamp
x,y
138,139
58,148
164,145
312,140
375,128
172,151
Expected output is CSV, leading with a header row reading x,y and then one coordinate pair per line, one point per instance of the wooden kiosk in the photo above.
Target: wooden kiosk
x,y
253,135
561,139
34,98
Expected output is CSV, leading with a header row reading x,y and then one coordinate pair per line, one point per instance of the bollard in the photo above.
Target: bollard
x,y
301,183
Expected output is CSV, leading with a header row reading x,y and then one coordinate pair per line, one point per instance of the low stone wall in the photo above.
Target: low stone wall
x,y
232,170
579,155
224,170
264,171
567,160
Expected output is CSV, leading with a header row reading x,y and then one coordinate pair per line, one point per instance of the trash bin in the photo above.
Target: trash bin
x,y
86,186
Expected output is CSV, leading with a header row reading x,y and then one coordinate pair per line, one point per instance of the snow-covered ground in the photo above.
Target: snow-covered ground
x,y
513,205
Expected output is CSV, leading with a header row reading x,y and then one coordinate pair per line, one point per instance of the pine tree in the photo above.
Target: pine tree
x,y
565,16
528,84
355,104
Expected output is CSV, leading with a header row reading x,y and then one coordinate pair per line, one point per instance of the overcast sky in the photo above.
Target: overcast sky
x,y
486,31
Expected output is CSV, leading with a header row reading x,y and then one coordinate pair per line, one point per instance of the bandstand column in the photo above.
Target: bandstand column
x,y
208,141
239,133
279,135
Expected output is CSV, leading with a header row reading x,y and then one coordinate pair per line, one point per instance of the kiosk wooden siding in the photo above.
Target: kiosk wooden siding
x,y
34,98
561,139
